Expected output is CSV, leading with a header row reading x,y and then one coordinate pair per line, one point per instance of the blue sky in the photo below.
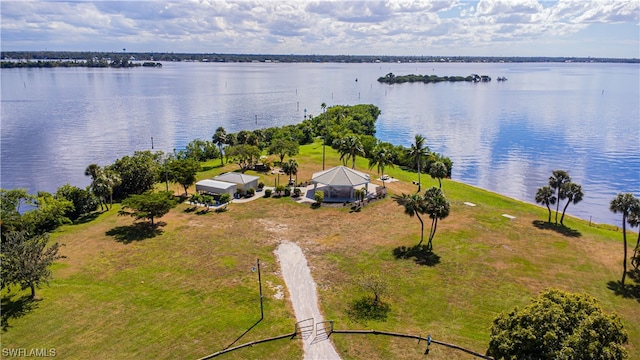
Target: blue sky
x,y
581,28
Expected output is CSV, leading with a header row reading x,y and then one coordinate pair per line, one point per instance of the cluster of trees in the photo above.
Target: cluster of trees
x,y
92,62
391,78
433,203
560,188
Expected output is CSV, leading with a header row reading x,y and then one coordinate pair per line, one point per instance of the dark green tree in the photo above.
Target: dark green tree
x,y
10,203
438,170
545,195
573,193
26,260
557,181
558,325
83,200
290,168
149,205
634,221
437,206
183,172
283,147
137,173
243,155
624,203
220,139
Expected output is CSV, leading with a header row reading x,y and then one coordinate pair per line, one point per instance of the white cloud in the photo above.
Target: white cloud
x,y
330,27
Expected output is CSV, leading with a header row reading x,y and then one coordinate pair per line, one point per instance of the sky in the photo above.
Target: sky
x,y
565,28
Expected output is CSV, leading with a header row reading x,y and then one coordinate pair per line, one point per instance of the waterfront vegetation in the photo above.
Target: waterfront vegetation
x,y
390,78
185,287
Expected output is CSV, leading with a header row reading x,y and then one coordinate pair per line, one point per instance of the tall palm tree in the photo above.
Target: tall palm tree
x,y
545,195
634,221
417,151
324,136
290,168
381,157
557,181
349,148
92,171
437,206
413,206
220,138
624,203
438,170
573,193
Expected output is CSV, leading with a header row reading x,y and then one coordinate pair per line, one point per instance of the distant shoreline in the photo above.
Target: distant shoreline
x,y
292,58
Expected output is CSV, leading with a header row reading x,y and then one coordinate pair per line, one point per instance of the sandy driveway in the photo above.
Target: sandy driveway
x,y
302,289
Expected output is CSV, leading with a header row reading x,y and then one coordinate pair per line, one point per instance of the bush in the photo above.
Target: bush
x,y
287,192
267,193
318,196
297,192
225,198
260,186
251,192
558,325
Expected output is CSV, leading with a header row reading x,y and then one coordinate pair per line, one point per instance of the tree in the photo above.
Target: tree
x,y
349,148
50,212
624,203
437,206
220,138
183,172
438,170
105,183
414,205
282,146
138,173
373,283
244,155
573,193
149,205
545,196
83,200
557,181
290,168
417,151
558,325
10,203
634,221
26,260
381,157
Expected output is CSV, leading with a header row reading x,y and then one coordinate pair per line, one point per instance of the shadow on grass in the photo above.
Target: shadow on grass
x,y
211,167
561,229
365,308
420,254
316,205
16,308
136,232
627,291
87,217
243,334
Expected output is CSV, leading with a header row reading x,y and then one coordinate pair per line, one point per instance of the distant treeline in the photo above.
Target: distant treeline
x,y
214,57
390,78
90,63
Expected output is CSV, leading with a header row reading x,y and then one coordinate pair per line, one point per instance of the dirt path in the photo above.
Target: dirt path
x,y
302,289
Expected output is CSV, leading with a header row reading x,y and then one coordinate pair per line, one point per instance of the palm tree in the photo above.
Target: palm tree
x,y
349,148
417,151
557,181
381,157
624,203
413,205
324,136
545,196
573,193
438,170
437,206
634,220
220,138
92,171
104,184
290,168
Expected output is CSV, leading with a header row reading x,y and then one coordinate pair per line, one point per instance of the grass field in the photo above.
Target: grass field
x,y
188,290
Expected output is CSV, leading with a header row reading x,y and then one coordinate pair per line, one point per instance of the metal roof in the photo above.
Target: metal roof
x,y
341,176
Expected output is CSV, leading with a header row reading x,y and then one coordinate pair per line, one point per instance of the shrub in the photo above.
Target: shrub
x,y
260,186
280,189
267,193
251,192
287,192
225,198
297,192
318,196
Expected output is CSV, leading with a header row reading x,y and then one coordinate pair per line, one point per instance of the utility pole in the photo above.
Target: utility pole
x,y
260,282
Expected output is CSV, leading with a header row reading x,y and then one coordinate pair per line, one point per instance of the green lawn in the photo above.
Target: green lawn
x,y
190,290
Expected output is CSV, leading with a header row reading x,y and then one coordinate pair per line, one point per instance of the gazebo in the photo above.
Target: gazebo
x,y
339,183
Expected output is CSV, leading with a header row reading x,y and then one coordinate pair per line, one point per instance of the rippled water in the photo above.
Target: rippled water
x,y
503,136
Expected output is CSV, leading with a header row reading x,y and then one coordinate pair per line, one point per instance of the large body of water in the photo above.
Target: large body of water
x,y
503,136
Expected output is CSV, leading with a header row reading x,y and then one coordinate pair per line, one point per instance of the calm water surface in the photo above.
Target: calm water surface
x,y
502,136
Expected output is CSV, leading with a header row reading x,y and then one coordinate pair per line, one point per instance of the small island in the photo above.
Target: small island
x,y
390,78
